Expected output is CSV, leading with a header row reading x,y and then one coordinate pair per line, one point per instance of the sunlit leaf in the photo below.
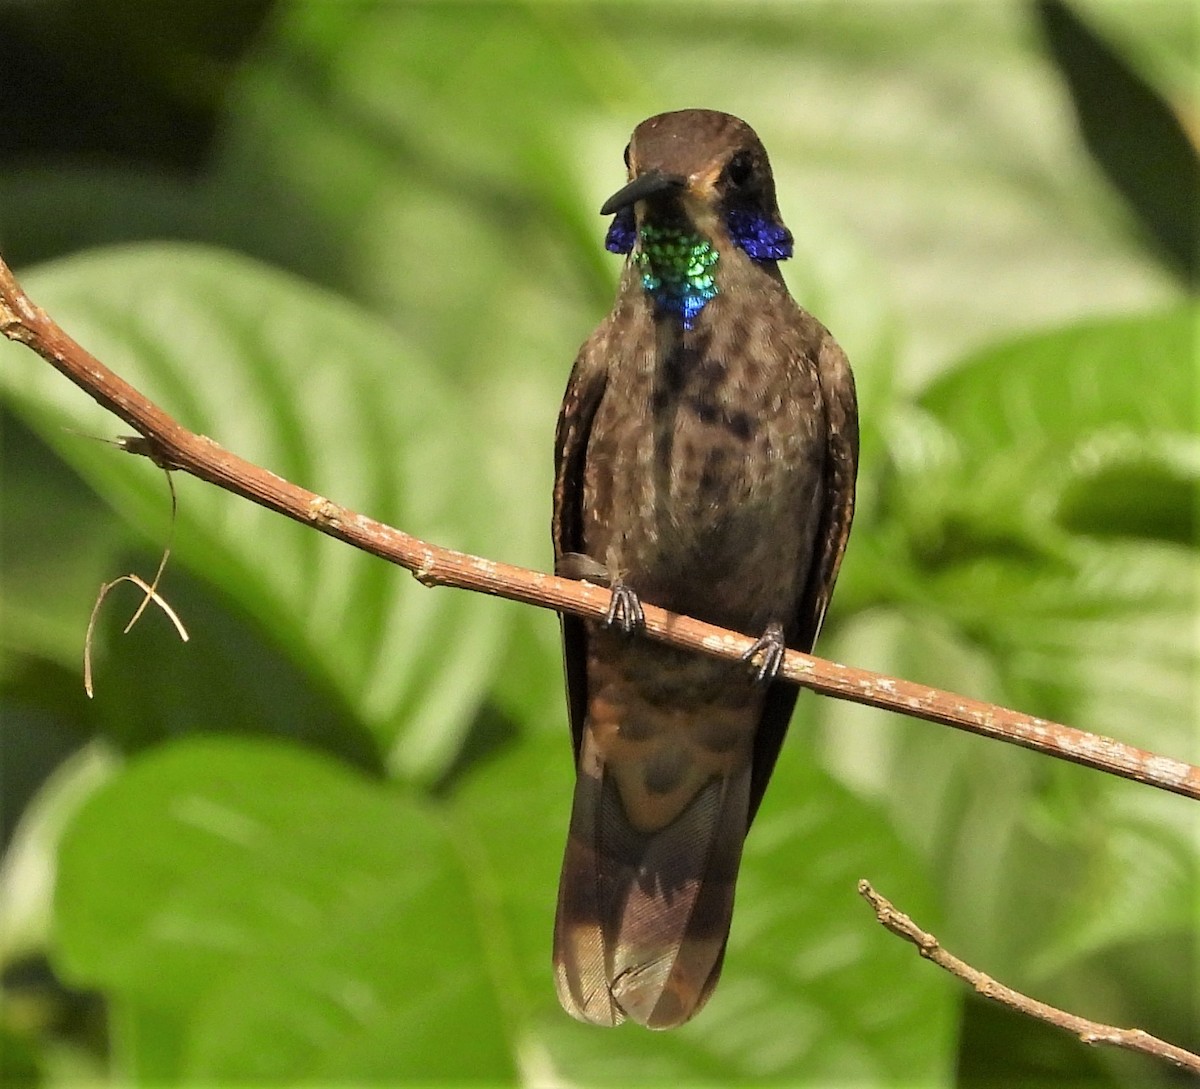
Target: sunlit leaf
x,y
813,991
1046,561
276,917
306,386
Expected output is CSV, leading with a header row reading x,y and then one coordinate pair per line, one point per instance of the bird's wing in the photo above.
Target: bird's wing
x,y
841,471
833,530
584,391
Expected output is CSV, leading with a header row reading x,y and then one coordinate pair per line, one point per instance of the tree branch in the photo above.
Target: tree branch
x,y
1090,1032
171,445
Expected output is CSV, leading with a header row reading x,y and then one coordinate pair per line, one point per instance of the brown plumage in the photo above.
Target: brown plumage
x,y
705,462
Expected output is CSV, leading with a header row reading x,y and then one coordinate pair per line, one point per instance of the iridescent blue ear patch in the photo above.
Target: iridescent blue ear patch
x,y
763,239
622,232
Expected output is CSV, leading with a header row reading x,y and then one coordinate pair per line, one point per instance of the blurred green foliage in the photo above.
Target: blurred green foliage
x,y
357,243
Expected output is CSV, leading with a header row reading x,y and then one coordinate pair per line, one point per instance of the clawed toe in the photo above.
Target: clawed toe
x,y
766,654
624,610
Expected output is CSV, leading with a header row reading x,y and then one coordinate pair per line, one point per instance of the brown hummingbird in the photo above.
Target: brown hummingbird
x,y
705,461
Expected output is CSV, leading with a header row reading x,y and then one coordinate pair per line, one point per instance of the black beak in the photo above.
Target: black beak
x,y
644,185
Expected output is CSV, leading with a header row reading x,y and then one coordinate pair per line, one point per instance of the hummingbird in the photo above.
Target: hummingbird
x,y
705,461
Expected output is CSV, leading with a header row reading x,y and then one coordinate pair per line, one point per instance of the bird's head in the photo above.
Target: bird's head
x,y
704,173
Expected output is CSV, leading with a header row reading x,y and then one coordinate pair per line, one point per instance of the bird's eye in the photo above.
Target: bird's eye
x,y
740,169
626,156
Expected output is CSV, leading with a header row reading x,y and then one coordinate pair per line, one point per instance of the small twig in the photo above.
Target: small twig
x,y
176,447
162,563
150,595
1090,1032
145,448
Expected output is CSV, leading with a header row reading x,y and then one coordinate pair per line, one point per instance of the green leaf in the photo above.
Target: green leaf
x,y
320,393
59,542
1037,550
456,210
230,677
1139,142
813,990
1132,372
1003,1047
941,197
257,913
1051,434
1024,541
927,136
32,843
1159,40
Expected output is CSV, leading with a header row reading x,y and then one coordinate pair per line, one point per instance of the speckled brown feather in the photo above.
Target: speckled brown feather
x,y
711,470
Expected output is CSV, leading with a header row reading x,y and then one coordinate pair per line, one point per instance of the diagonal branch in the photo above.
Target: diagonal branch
x,y
171,445
1090,1032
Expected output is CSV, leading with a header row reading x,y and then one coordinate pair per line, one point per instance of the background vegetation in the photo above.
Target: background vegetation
x,y
358,243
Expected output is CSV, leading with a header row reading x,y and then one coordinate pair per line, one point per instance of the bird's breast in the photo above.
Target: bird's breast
x,y
705,454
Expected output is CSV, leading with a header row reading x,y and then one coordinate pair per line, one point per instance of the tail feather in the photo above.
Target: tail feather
x,y
643,916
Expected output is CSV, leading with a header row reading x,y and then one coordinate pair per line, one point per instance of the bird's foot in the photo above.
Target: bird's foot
x,y
766,653
624,610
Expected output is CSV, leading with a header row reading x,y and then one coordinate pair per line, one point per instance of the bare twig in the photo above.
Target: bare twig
x,y
162,563
171,444
1090,1032
150,594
